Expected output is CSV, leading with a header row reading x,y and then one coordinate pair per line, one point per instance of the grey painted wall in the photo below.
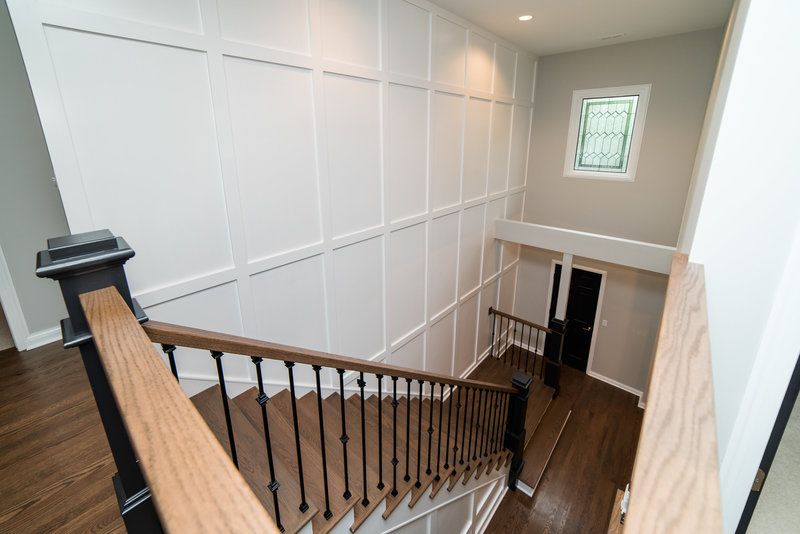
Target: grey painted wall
x,y
30,206
632,304
680,69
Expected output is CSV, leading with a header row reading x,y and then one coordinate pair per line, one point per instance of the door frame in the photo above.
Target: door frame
x,y
600,295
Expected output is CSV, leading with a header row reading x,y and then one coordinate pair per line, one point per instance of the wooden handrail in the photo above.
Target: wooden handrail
x,y
523,321
675,485
194,485
196,338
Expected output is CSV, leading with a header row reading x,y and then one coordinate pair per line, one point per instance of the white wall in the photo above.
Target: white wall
x,y
30,207
748,239
324,173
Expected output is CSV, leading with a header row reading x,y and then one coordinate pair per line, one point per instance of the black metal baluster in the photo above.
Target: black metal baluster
x,y
380,433
394,436
408,426
169,351
484,422
262,401
327,514
489,411
217,355
430,430
471,426
504,420
498,444
535,353
500,340
455,434
303,503
344,438
508,328
499,419
439,439
474,446
361,385
514,348
528,350
464,426
419,435
494,322
449,420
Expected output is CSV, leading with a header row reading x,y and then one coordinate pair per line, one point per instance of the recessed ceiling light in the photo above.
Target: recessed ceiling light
x,y
525,17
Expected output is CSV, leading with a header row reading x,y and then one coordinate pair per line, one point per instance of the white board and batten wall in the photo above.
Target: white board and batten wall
x,y
320,173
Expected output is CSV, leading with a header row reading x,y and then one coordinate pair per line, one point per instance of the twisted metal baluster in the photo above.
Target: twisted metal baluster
x,y
464,426
262,401
394,436
449,419
471,426
361,385
430,430
439,439
528,350
327,514
494,322
380,433
344,437
408,426
217,355
419,435
303,503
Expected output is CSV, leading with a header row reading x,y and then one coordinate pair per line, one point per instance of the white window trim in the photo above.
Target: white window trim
x,y
636,141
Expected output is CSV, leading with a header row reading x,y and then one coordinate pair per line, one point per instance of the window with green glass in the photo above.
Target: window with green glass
x,y
605,133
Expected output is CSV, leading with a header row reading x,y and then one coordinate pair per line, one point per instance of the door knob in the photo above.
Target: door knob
x,y
587,328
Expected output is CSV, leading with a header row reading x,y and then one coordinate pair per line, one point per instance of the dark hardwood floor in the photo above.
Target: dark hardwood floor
x,y
593,458
55,464
56,468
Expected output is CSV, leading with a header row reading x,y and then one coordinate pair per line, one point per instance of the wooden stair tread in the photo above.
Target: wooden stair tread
x,y
251,453
308,420
545,439
538,402
355,464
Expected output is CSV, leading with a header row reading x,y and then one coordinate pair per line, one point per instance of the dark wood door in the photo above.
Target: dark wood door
x,y
584,290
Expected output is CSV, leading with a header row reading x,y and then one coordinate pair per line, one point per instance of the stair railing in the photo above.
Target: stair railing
x,y
541,346
161,446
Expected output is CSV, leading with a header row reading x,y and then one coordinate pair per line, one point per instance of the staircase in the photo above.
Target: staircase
x,y
329,459
431,423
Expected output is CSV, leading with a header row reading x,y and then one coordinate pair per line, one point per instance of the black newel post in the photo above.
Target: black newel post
x,y
82,263
514,439
553,346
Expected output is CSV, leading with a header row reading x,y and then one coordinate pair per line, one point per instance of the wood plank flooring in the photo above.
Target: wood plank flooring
x,y
593,459
55,463
57,468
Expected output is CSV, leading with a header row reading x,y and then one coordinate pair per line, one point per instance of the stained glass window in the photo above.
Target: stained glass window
x,y
605,133
606,127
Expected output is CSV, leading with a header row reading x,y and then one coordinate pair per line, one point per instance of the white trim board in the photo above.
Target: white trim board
x,y
636,254
12,307
615,383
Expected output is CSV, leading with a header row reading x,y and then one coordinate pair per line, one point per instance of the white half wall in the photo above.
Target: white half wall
x,y
293,171
748,239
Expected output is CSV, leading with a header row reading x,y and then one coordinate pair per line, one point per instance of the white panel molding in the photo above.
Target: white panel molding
x,y
30,20
636,254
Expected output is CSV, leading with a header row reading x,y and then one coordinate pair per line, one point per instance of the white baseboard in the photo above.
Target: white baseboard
x,y
616,384
642,404
43,337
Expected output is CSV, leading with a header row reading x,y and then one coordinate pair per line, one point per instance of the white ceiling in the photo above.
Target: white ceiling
x,y
566,25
